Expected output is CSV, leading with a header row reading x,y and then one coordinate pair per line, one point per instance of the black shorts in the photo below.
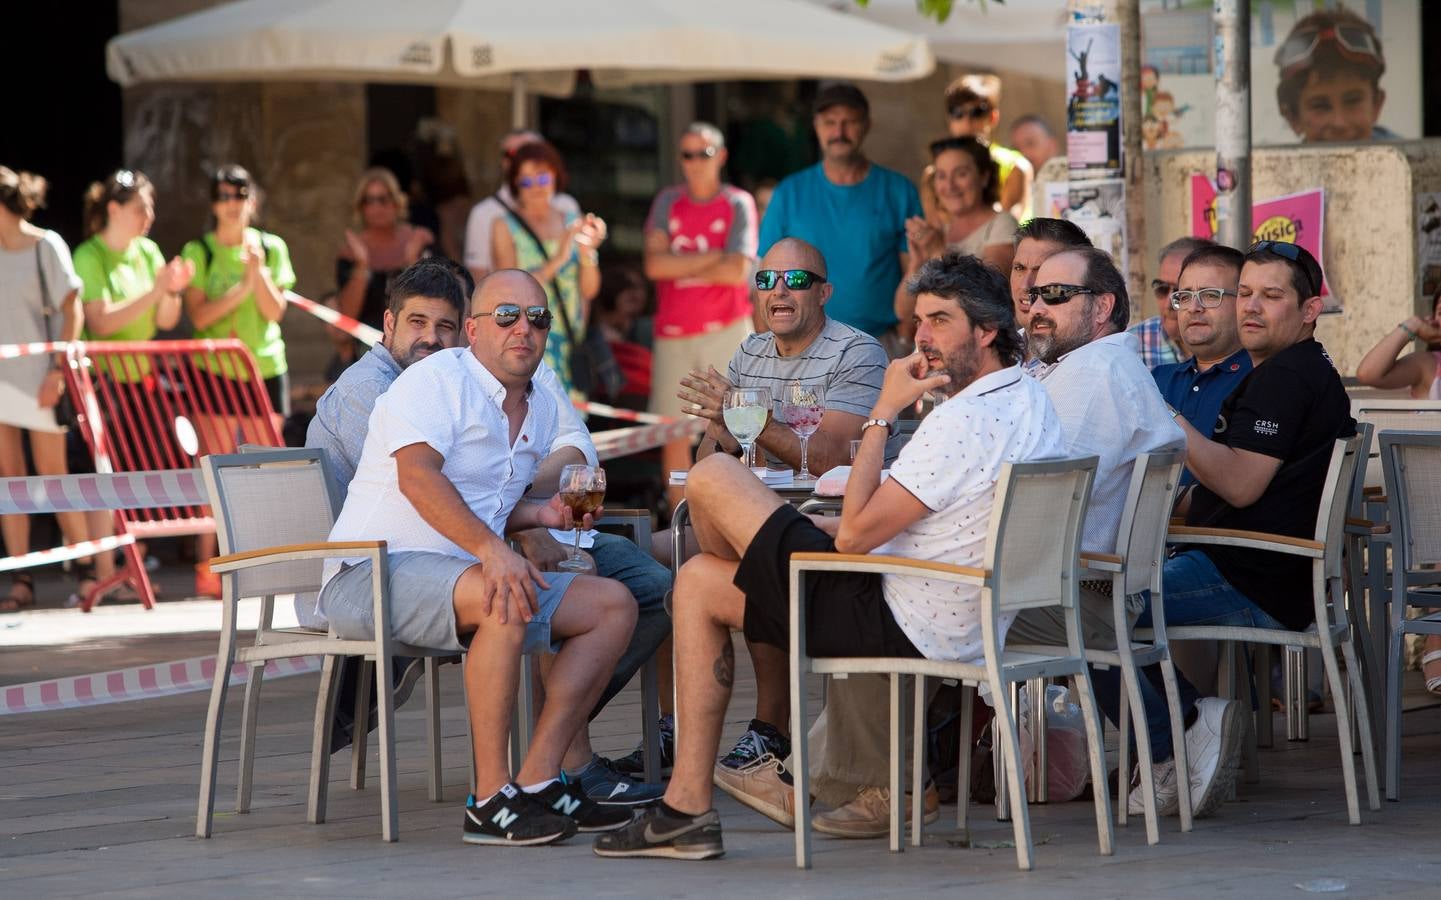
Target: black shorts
x,y
846,612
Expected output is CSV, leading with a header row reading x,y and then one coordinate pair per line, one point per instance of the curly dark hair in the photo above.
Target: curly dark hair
x,y
981,292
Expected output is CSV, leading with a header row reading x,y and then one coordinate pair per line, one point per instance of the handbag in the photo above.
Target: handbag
x,y
65,413
594,370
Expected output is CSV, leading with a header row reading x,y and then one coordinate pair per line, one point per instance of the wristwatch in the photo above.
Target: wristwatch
x,y
890,429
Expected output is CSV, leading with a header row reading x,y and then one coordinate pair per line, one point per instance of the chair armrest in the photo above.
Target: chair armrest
x,y
1102,562
1366,526
1374,491
247,559
1253,540
859,562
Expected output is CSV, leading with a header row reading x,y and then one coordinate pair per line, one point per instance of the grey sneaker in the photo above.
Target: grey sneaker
x,y
1213,751
662,833
1168,794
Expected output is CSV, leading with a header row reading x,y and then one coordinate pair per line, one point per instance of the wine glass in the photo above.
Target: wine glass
x,y
802,406
745,413
582,488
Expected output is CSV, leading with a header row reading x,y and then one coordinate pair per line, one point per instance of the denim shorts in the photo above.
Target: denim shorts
x,y
422,609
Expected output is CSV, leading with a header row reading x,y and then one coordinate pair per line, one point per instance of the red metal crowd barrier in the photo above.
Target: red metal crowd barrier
x,y
146,406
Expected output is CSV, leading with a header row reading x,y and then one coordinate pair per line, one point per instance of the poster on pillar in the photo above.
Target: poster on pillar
x,y
1428,248
1321,71
1099,209
1093,100
1298,218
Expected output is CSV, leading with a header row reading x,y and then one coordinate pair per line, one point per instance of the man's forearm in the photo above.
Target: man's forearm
x,y
668,266
441,506
547,475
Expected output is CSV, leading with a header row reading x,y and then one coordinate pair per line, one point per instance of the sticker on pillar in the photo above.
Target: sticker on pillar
x,y
1093,103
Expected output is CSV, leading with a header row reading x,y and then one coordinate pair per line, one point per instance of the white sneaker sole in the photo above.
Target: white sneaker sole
x,y
1233,731
665,853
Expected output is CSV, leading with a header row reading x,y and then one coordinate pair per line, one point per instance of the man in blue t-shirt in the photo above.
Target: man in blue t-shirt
x,y
1205,305
854,212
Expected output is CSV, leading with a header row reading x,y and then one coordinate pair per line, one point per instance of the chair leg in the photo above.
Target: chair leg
x,y
1361,714
800,762
360,745
1178,741
898,759
1036,688
1123,760
918,763
1395,662
432,722
650,720
327,698
1343,730
210,749
1008,748
1105,837
248,715
963,765
385,709
1143,754
1265,724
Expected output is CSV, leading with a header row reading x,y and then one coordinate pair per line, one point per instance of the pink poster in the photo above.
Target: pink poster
x,y
1295,219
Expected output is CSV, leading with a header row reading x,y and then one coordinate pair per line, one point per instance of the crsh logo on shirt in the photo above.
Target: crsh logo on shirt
x,y
1269,429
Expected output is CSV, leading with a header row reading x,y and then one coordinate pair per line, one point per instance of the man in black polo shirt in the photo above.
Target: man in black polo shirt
x,y
1262,468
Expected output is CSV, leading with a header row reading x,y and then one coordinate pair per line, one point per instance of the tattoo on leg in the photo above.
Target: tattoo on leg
x,y
725,665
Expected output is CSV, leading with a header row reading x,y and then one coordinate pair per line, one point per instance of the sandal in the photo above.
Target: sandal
x,y
84,582
1433,682
16,601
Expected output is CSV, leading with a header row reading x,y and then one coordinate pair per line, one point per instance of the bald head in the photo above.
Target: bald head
x,y
507,286
794,253
502,335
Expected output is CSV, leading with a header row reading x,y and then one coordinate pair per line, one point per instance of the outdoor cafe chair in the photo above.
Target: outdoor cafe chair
x,y
1032,559
1412,466
1333,630
273,512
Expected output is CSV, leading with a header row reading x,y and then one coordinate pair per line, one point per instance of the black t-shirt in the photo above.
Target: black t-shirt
x,y
1292,407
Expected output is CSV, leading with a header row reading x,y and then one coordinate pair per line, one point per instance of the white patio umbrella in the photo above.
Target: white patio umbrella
x,y
1027,36
536,45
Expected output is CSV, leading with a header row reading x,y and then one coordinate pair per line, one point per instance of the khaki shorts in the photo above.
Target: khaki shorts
x,y
674,358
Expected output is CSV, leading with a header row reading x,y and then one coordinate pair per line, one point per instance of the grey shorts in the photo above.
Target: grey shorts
x,y
422,611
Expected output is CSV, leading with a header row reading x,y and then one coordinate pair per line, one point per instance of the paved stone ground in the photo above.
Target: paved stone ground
x,y
101,802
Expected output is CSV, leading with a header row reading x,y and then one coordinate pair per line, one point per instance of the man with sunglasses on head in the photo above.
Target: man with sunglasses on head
x,y
700,248
936,506
1330,68
481,222
1160,335
973,109
451,448
854,212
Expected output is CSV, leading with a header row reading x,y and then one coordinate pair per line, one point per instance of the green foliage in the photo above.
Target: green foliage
x,y
940,10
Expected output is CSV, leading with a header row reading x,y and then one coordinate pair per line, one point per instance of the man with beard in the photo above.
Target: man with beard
x,y
854,212
936,506
1035,241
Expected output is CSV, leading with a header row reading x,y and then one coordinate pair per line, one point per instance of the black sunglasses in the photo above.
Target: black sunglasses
x,y
707,153
977,111
507,314
1056,294
795,279
1296,254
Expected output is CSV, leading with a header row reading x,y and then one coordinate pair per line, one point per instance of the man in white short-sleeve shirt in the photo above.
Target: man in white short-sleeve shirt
x,y
451,448
936,506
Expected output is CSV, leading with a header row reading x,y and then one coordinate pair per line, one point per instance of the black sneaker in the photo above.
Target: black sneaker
x,y
514,818
663,833
634,763
761,738
567,798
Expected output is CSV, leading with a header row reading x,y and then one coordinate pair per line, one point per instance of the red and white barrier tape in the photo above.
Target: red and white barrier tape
x,y
625,415
138,683
118,490
14,351
356,329
70,551
625,441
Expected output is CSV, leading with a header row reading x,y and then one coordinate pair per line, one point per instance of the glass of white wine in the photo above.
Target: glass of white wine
x,y
582,488
746,411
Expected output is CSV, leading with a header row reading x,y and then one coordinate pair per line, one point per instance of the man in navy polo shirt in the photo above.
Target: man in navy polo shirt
x,y
1205,304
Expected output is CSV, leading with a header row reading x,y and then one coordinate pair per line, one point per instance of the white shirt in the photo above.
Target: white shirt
x,y
951,464
452,403
1110,407
482,219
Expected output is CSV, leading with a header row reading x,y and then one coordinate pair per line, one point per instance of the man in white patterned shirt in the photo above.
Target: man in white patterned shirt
x,y
935,506
450,450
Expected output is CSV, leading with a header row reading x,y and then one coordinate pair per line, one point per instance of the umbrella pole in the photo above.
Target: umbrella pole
x,y
517,101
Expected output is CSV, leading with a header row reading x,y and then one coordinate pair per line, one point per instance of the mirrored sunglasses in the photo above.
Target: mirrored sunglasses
x,y
1056,294
795,279
542,180
507,314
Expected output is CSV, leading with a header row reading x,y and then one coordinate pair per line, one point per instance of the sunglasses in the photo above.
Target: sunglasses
x,y
376,199
795,279
542,180
1354,41
1056,294
1162,289
1296,254
707,153
1205,298
977,111
507,314
237,194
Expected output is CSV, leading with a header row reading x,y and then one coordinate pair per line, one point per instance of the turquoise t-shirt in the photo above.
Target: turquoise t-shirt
x,y
221,270
860,229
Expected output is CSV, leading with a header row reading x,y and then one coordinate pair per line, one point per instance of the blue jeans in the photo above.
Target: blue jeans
x,y
1196,594
620,558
